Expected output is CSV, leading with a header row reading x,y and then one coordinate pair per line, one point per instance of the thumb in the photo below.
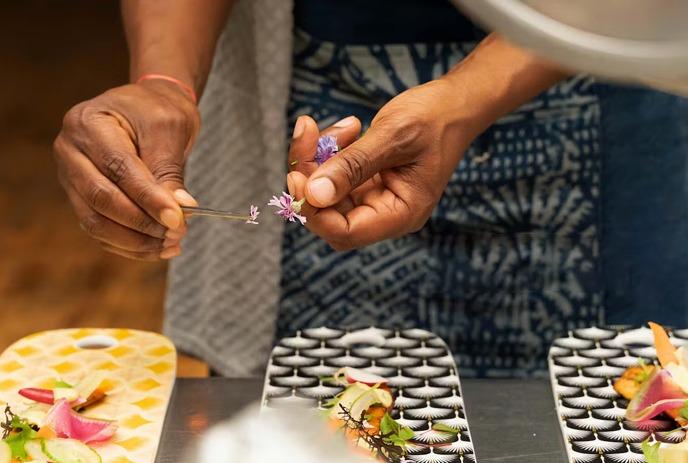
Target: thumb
x,y
352,167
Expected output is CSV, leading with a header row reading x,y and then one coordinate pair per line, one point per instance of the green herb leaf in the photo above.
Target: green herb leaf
x,y
21,433
651,451
63,384
406,433
444,428
388,426
684,410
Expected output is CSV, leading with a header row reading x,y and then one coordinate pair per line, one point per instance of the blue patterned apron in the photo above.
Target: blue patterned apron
x,y
510,258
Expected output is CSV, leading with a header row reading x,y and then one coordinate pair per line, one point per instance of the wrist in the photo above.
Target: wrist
x,y
185,88
497,78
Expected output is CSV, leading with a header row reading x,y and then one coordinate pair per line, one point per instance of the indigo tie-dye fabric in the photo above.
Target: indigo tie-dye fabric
x,y
509,260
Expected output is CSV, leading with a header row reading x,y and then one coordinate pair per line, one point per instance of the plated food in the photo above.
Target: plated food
x,y
50,426
659,389
395,394
117,376
363,412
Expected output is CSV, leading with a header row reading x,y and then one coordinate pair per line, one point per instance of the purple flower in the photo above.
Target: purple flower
x,y
288,208
253,215
327,147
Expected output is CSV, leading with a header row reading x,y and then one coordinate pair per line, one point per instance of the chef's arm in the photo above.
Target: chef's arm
x,y
121,154
174,37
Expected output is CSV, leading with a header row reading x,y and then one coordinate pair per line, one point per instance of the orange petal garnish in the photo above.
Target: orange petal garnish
x,y
666,352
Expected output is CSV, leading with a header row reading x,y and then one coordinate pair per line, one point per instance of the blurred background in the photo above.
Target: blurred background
x,y
54,54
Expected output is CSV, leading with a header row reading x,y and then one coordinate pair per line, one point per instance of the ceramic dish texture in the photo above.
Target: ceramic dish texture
x,y
421,372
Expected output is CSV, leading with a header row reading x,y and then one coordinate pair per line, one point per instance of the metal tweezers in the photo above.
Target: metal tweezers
x,y
213,213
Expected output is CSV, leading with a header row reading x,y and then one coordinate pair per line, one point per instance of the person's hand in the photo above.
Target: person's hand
x,y
121,159
385,184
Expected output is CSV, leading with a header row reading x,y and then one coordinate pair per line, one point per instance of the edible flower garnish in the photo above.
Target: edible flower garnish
x,y
327,147
288,208
253,215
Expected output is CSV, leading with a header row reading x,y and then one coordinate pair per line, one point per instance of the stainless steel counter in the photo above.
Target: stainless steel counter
x,y
511,421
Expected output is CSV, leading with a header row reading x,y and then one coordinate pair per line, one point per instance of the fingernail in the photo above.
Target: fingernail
x,y
346,122
169,242
184,198
171,218
169,253
299,127
290,183
322,190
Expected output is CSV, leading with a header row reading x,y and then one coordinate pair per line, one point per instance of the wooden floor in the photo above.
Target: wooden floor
x,y
53,54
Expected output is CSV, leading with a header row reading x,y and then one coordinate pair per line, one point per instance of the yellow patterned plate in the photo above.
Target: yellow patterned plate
x,y
139,366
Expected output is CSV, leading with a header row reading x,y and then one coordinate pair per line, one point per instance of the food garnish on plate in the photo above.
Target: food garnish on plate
x,y
363,412
50,427
654,390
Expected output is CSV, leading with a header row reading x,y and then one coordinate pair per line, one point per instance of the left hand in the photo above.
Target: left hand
x,y
385,184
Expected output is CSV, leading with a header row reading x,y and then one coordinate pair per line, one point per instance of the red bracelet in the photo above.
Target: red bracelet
x,y
186,88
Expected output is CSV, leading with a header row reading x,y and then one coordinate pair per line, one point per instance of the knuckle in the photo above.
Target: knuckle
x,y
115,167
99,196
167,171
72,118
406,133
144,194
168,117
354,165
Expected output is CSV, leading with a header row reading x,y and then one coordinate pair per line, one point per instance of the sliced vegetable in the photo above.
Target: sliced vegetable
x,y
358,398
348,375
87,386
5,453
34,449
43,396
69,451
660,393
68,423
67,393
666,352
96,397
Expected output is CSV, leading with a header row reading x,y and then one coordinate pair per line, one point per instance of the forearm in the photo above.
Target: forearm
x,y
173,37
496,78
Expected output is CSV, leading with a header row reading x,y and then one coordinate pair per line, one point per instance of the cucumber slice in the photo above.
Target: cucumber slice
x,y
34,449
69,451
5,452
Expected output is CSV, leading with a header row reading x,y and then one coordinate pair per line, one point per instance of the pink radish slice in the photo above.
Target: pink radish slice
x,y
354,375
659,394
68,423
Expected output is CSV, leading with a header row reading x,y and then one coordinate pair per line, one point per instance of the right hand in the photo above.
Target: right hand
x,y
121,158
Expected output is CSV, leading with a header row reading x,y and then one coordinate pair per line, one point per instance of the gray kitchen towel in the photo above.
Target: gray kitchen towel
x,y
223,290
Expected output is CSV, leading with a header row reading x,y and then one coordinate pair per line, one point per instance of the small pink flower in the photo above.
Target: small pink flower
x,y
288,208
253,215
